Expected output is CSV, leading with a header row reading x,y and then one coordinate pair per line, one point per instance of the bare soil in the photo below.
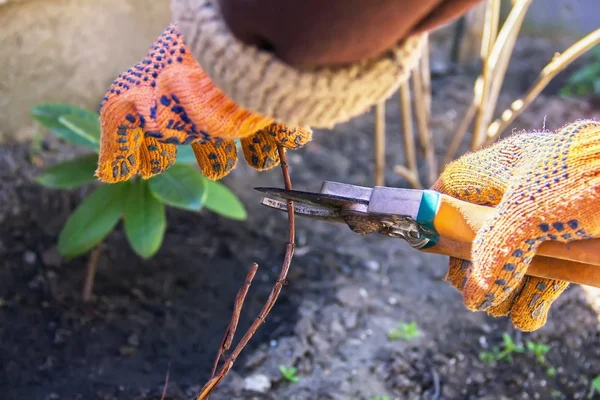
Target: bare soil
x,y
344,294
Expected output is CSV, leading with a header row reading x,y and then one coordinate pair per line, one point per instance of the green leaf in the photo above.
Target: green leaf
x,y
586,74
48,115
180,186
70,174
89,130
92,220
144,220
185,155
596,384
223,201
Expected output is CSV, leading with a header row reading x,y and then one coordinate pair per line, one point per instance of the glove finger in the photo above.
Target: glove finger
x,y
155,157
481,177
118,157
457,272
169,98
217,158
289,137
531,305
260,150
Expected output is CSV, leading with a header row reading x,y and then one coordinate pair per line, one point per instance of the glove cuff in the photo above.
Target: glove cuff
x,y
261,83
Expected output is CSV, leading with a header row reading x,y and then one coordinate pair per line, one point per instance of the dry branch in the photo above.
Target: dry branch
x,y
558,64
496,65
260,319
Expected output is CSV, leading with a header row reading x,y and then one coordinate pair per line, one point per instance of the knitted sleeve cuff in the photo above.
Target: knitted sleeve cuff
x,y
259,82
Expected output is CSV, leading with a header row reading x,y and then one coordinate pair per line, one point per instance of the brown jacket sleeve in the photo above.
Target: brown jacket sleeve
x,y
311,33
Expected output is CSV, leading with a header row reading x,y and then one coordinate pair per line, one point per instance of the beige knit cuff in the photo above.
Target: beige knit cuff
x,y
259,82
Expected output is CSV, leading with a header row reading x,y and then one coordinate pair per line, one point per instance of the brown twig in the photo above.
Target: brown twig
x,y
235,317
164,393
287,260
90,274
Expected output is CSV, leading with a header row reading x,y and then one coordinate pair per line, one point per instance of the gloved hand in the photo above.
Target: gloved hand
x,y
167,100
544,186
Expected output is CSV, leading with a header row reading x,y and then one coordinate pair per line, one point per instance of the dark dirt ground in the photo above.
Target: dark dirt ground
x,y
345,292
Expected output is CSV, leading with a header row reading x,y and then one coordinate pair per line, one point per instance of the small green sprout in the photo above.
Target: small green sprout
x,y
539,350
556,393
404,332
595,387
551,372
289,374
380,398
510,347
489,357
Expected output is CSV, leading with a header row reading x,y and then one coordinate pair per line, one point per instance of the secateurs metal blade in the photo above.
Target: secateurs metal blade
x,y
429,221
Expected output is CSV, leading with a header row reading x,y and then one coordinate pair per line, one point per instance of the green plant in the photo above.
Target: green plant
x,y
289,374
509,348
539,350
586,81
404,332
594,387
140,203
380,398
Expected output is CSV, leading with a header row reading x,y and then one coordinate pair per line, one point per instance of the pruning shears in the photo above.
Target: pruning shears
x,y
430,221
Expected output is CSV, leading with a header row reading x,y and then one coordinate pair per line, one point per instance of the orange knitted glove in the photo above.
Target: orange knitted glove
x,y
168,100
544,186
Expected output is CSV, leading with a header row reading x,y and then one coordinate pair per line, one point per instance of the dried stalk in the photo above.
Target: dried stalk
x,y
490,31
260,319
380,144
409,170
482,86
422,101
426,77
460,133
490,28
235,317
166,386
497,61
90,275
558,64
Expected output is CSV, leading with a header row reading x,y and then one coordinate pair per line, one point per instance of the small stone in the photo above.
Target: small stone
x,y
51,257
29,257
350,319
133,340
52,396
257,383
349,296
127,351
372,265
